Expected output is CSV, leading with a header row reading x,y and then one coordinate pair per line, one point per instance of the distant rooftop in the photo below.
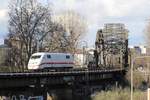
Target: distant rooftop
x,y
142,46
3,46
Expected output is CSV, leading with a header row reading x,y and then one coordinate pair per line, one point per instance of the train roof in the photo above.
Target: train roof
x,y
41,53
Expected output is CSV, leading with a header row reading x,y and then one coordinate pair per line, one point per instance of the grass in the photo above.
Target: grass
x,y
120,95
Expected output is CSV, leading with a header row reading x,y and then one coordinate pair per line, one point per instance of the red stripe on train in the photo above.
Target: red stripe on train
x,y
57,63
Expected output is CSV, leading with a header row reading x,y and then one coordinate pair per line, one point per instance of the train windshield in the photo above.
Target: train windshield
x,y
36,57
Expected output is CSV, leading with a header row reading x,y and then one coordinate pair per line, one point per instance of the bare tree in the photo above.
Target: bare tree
x,y
56,40
28,26
74,27
31,29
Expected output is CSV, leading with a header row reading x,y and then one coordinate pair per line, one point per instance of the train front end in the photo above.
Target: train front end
x,y
35,61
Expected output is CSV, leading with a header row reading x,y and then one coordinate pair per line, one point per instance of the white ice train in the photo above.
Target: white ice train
x,y
43,60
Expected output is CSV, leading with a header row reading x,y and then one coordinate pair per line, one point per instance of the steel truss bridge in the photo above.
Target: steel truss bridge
x,y
79,81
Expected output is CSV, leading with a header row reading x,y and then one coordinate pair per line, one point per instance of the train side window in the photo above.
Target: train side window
x,y
48,56
67,57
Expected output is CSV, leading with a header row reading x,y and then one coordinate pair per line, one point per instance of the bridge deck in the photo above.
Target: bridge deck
x,y
61,78
58,73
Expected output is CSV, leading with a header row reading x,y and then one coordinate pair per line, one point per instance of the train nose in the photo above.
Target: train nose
x,y
32,66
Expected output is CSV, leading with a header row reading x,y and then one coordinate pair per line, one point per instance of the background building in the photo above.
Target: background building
x,y
141,55
4,49
82,58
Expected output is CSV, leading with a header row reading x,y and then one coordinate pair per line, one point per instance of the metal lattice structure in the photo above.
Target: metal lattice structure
x,y
112,46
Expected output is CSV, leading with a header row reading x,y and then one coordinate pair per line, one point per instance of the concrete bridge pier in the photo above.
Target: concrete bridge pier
x,y
59,94
81,92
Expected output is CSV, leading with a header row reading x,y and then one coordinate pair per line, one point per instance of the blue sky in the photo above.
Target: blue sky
x,y
133,13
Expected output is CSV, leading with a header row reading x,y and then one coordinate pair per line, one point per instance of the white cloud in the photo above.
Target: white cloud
x,y
3,13
133,13
104,8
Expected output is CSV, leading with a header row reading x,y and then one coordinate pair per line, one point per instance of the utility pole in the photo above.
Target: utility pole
x,y
83,56
85,53
148,74
37,47
132,79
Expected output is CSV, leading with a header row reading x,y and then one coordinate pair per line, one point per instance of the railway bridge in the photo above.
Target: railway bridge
x,y
81,83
